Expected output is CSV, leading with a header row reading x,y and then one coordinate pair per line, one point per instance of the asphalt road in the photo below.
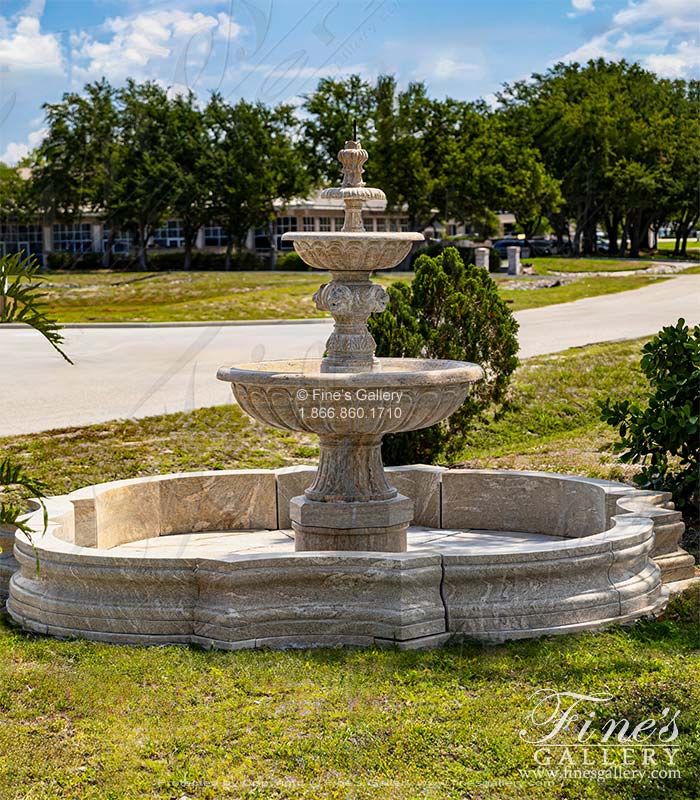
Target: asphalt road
x,y
136,371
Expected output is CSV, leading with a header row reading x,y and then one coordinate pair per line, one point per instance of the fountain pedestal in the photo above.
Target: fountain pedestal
x,y
350,505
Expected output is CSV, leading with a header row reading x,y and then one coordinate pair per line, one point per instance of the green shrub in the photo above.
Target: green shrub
x,y
664,435
21,301
450,310
468,255
291,262
433,249
73,261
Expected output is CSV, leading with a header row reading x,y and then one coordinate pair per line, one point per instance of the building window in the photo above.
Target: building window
x,y
170,235
75,238
121,243
451,229
28,239
214,236
285,224
381,225
338,223
393,225
309,224
262,239
324,224
404,224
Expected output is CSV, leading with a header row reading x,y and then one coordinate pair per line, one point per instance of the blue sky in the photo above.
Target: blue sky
x,y
274,50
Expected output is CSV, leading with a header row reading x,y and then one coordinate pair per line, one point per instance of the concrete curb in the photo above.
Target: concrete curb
x,y
203,324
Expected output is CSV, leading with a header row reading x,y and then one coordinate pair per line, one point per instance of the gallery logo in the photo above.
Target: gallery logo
x,y
573,736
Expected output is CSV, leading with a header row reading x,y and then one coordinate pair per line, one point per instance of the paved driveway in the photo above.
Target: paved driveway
x,y
136,371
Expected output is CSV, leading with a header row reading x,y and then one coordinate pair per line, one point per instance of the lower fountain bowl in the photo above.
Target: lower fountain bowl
x,y
399,394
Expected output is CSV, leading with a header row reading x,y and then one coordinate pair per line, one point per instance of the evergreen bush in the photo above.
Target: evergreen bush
x,y
450,310
663,434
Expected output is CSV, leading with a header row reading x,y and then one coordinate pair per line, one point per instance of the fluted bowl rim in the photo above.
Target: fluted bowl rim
x,y
408,373
352,236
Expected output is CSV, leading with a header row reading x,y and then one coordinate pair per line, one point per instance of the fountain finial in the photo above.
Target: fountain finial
x,y
352,191
352,157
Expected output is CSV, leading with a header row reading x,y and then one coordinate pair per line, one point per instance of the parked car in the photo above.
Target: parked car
x,y
543,247
502,245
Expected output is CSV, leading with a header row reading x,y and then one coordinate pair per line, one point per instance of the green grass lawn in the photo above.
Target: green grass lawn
x,y
182,296
520,299
665,251
86,720
203,296
692,244
547,264
98,721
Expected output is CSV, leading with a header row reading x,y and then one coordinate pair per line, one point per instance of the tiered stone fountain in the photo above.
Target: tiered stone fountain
x,y
209,557
351,398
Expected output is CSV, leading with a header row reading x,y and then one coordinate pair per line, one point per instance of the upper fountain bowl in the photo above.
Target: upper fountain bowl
x,y
353,252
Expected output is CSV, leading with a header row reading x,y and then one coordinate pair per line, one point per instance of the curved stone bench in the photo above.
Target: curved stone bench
x,y
205,557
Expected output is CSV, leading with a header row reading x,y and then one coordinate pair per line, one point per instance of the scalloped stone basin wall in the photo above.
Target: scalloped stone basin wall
x,y
208,558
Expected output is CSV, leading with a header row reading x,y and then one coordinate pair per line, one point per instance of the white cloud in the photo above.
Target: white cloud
x,y
34,8
446,67
145,45
662,35
597,47
26,48
15,151
683,62
675,15
583,5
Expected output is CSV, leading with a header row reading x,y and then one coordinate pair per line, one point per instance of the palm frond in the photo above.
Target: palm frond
x,y
20,298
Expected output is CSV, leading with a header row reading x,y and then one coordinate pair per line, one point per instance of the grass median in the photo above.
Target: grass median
x,y
87,720
547,264
217,296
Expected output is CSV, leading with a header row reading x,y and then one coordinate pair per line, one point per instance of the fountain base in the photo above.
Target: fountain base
x,y
208,558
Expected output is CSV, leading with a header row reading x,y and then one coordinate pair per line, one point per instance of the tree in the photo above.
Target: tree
x,y
333,111
403,163
684,164
608,132
146,168
15,200
406,132
190,146
453,311
489,169
73,170
255,161
432,158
